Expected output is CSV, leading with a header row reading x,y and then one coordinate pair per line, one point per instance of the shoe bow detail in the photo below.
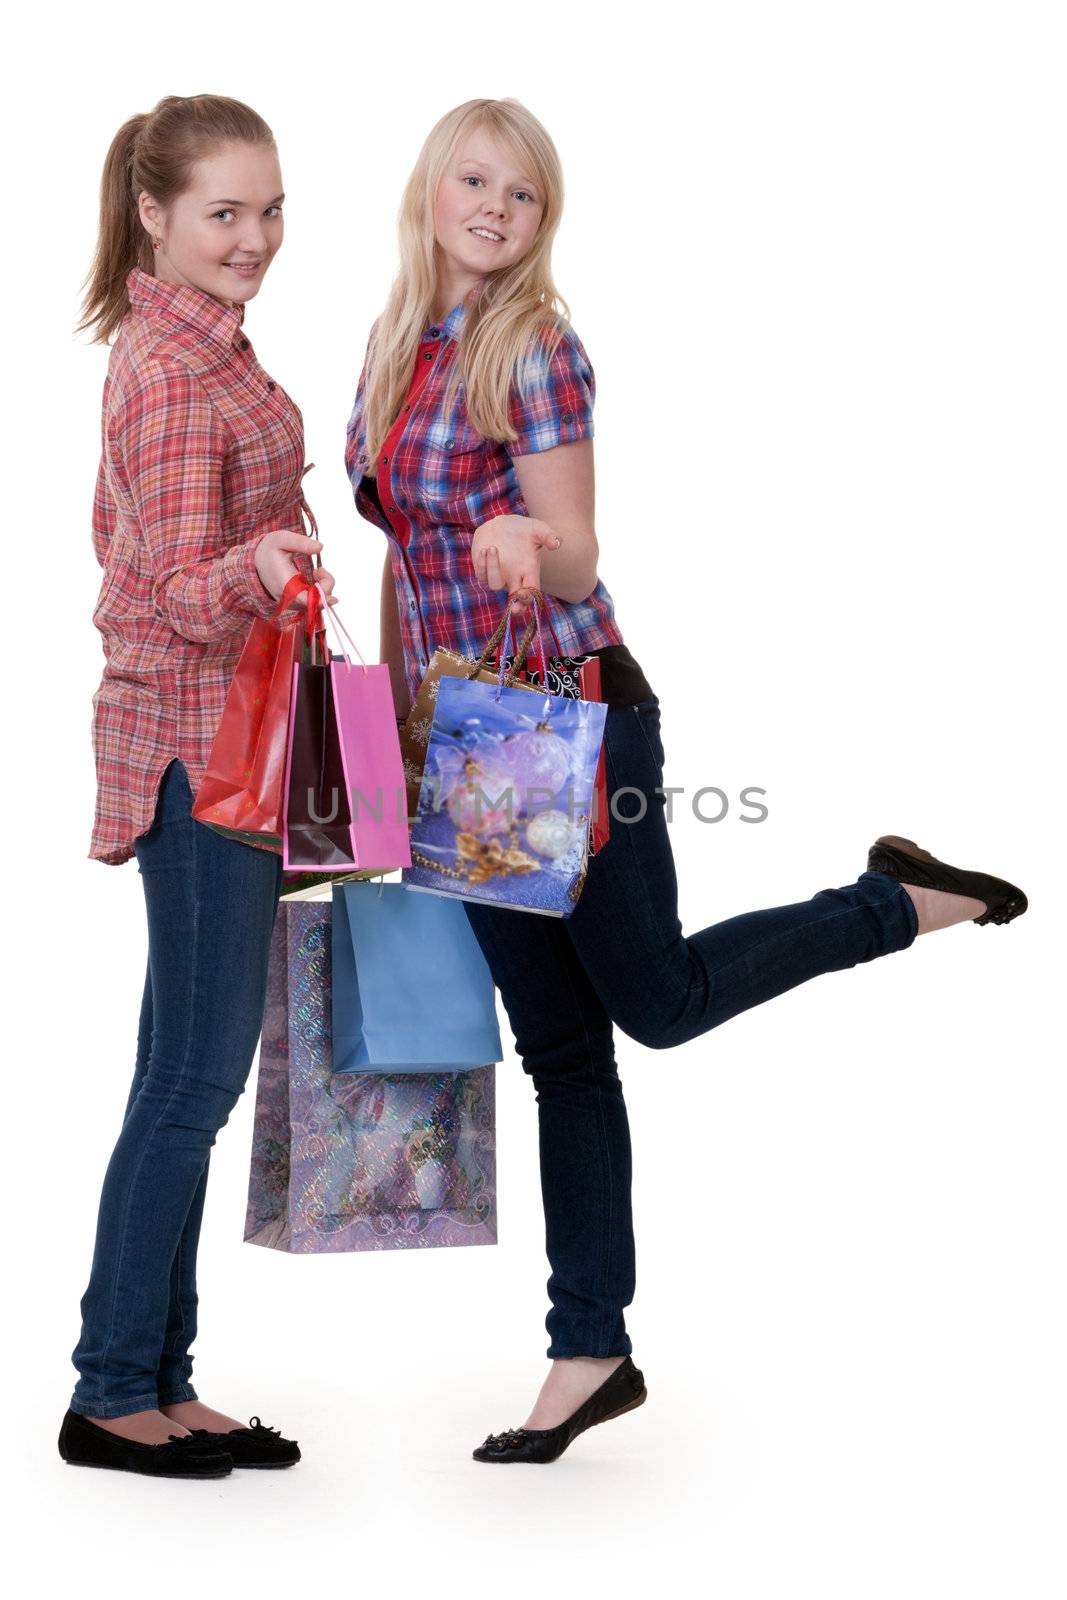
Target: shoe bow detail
x,y
184,1440
259,1428
510,1439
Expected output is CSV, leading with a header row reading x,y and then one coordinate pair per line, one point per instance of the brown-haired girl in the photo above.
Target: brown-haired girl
x,y
197,523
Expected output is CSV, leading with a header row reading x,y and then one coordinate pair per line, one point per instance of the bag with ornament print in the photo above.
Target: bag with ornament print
x,y
415,730
506,796
358,1161
575,678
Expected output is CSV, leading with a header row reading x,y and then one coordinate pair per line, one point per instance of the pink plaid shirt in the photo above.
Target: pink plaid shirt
x,y
202,454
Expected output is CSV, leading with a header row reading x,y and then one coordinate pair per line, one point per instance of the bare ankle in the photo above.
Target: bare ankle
x,y
143,1427
936,908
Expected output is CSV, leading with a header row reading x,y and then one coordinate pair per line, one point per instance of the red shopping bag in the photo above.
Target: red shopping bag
x,y
241,792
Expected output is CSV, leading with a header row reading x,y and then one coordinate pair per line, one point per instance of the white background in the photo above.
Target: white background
x,y
816,254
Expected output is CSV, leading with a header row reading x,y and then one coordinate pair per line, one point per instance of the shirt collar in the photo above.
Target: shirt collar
x,y
449,328
182,307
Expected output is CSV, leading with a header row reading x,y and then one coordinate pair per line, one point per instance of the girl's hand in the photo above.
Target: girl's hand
x,y
275,564
506,553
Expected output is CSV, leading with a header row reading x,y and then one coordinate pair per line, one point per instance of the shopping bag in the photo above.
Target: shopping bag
x,y
575,678
507,791
344,794
411,988
354,1161
241,791
415,732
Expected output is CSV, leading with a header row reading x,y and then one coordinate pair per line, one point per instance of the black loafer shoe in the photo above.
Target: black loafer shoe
x,y
83,1444
254,1446
902,859
622,1390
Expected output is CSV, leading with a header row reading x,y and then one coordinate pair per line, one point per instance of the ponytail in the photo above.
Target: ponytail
x,y
122,243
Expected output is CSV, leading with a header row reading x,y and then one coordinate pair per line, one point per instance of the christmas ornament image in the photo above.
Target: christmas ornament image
x,y
506,796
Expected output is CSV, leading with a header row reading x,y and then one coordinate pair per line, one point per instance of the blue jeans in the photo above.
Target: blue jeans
x,y
211,903
621,958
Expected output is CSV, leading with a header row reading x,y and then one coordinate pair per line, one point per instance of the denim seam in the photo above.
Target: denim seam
x,y
610,1211
178,1396
140,1402
176,1336
658,763
162,1111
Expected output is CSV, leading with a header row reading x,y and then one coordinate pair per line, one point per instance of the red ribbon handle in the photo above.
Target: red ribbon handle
x,y
313,620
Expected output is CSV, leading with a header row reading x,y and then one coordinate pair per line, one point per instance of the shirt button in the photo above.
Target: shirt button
x,y
428,355
411,605
449,443
242,344
385,461
435,333
407,408
271,385
568,416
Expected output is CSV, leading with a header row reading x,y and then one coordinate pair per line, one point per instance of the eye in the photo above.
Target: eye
x,y
471,179
525,194
226,212
276,209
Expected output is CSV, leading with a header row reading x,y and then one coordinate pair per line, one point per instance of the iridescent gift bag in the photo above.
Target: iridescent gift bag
x,y
358,1161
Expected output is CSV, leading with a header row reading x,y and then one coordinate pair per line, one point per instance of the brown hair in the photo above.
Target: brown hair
x,y
154,152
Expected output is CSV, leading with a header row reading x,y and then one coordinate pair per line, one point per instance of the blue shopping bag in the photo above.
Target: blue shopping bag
x,y
411,989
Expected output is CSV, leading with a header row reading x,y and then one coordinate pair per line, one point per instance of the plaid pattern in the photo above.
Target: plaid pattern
x,y
438,480
202,454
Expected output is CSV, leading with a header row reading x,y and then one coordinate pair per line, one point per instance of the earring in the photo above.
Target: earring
x,y
157,244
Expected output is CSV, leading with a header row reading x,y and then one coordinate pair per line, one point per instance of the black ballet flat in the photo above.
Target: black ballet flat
x,y
254,1446
622,1390
902,859
83,1444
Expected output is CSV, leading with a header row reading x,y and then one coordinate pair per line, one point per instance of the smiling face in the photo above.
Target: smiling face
x,y
222,233
486,212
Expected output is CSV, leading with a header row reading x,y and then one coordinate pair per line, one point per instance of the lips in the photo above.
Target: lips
x,y
496,238
247,269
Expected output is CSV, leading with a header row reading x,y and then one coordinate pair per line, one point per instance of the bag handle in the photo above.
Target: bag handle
x,y
538,605
495,639
551,628
331,616
312,620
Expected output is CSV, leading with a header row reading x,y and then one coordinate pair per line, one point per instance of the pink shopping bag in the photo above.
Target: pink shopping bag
x,y
354,717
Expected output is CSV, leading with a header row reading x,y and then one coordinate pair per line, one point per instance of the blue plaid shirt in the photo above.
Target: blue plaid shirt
x,y
438,480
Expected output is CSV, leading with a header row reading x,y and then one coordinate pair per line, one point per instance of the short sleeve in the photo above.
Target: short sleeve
x,y
554,405
356,433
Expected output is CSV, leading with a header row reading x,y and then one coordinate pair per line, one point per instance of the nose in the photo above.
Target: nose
x,y
493,208
253,240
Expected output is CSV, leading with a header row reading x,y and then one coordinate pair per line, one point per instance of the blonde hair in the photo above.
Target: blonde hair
x,y
516,317
154,151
